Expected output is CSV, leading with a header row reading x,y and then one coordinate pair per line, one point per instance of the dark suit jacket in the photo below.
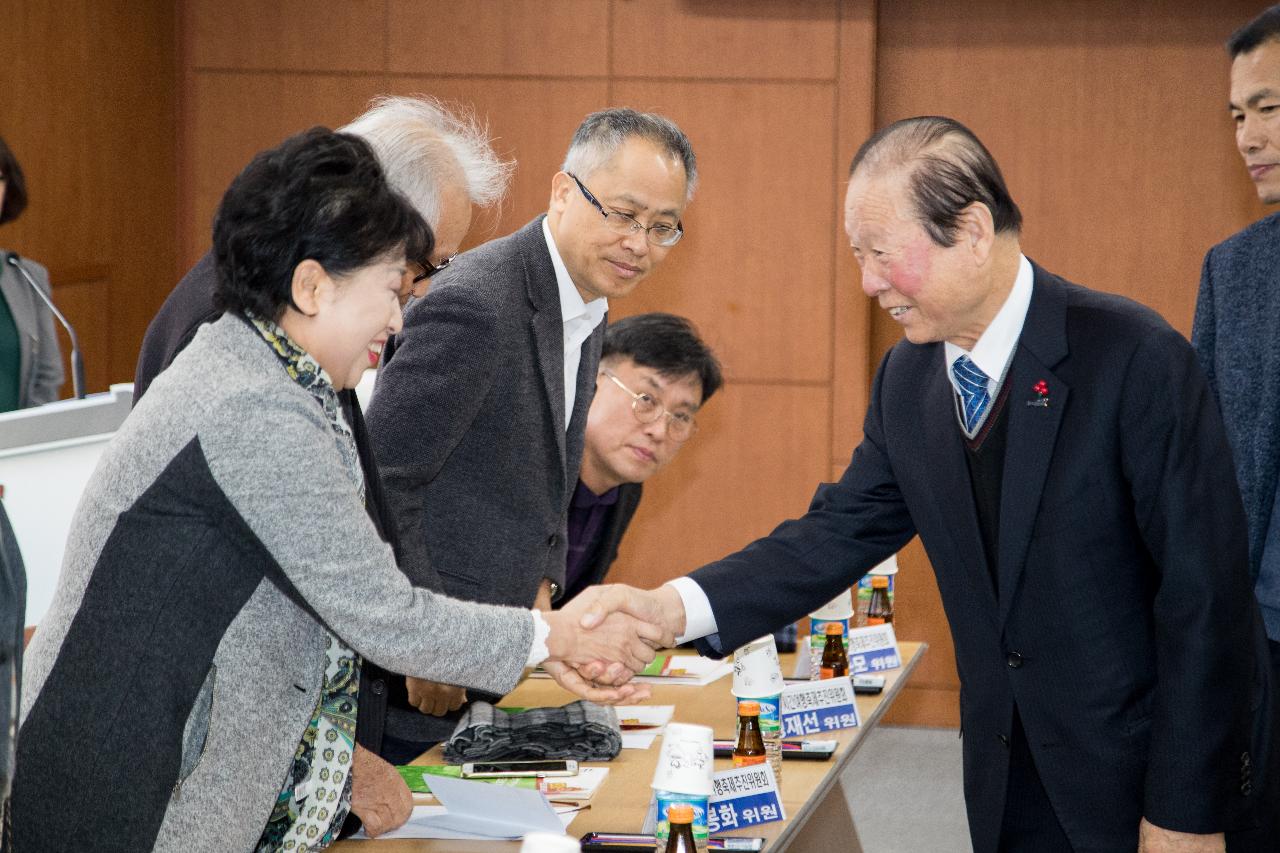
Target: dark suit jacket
x,y
1235,336
187,308
611,533
1125,628
468,427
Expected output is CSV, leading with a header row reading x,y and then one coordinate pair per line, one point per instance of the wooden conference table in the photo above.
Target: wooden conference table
x,y
817,813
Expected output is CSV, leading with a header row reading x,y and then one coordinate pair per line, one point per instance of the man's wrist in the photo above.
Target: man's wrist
x,y
539,649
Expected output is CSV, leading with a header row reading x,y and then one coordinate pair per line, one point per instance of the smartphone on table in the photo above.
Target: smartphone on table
x,y
505,769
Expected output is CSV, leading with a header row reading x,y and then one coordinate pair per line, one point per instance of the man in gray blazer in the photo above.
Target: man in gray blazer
x,y
1235,329
478,417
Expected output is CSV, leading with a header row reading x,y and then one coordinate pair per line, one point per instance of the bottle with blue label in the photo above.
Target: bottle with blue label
x,y
680,834
839,611
682,778
692,806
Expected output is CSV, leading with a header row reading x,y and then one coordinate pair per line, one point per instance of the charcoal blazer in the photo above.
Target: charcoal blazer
x,y
1124,627
1235,336
468,428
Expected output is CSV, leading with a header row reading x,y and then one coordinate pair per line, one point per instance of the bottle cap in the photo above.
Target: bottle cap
x,y
748,708
680,813
879,582
835,629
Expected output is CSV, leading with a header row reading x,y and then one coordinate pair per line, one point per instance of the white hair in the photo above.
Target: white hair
x,y
423,146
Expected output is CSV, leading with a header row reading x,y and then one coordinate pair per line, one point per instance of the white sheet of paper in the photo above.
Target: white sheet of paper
x,y
476,810
647,715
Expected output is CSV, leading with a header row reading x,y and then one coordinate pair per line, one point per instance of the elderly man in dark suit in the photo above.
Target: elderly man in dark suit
x,y
655,375
478,415
1236,330
1058,452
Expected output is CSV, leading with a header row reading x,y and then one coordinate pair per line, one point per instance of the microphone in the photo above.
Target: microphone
x,y
77,365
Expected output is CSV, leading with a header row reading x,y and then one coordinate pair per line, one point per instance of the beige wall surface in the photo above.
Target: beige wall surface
x,y
1108,117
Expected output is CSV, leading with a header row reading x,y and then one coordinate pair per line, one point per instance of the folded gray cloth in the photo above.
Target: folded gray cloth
x,y
580,730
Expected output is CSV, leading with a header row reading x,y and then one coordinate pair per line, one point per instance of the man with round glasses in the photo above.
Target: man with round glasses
x,y
655,375
479,413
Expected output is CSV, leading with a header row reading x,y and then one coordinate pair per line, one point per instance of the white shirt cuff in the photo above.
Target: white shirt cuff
x,y
699,621
538,652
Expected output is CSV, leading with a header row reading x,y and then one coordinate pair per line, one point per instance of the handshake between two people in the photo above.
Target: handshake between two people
x,y
597,642
606,634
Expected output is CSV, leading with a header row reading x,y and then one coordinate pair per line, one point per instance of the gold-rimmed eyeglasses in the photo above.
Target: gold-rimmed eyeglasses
x,y
680,425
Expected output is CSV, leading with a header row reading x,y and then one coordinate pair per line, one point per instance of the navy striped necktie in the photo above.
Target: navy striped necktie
x,y
972,383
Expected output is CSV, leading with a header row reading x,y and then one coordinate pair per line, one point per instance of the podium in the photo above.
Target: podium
x,y
47,454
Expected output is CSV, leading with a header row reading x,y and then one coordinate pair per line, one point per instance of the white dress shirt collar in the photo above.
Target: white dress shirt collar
x,y
579,320
994,348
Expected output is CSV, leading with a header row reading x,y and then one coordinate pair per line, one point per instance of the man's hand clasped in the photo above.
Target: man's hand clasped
x,y
603,637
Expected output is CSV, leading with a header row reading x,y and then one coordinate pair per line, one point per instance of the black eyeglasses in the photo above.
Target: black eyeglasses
x,y
428,269
659,235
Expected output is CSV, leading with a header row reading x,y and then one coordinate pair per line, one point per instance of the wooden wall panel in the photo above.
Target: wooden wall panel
x,y
292,35
89,110
532,121
725,39
753,461
755,268
855,121
84,298
1115,139
236,115
567,38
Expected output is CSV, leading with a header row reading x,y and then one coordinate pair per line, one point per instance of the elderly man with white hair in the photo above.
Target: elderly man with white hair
x,y
444,165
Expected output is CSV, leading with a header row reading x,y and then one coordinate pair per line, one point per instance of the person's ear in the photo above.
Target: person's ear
x,y
562,187
309,279
977,230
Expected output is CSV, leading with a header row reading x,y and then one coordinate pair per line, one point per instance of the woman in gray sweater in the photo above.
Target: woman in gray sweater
x,y
194,685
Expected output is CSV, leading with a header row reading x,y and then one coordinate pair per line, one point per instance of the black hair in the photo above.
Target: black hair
x,y
665,343
15,185
1264,28
318,195
950,169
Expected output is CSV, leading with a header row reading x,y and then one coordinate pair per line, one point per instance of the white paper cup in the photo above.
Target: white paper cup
x,y
545,842
686,761
840,607
756,671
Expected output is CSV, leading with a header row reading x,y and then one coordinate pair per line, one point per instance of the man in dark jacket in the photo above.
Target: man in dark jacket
x,y
655,375
1235,329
